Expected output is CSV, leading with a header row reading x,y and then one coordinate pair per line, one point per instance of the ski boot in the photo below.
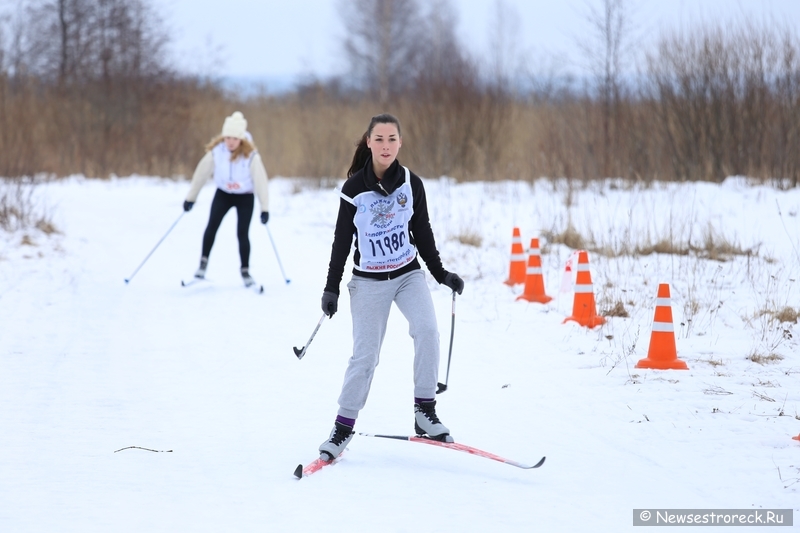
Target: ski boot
x,y
341,435
427,424
201,272
247,278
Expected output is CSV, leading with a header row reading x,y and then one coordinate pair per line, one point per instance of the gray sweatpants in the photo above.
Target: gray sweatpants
x,y
370,302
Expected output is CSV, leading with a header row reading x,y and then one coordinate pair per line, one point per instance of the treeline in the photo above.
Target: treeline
x,y
86,88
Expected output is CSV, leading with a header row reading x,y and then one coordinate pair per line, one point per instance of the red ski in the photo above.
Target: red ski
x,y
314,466
458,446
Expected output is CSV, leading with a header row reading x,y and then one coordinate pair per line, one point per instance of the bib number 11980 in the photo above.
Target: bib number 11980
x,y
388,245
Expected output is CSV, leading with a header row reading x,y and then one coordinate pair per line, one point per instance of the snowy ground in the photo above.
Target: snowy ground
x,y
90,365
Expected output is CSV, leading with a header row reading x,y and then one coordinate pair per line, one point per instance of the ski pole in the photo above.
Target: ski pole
x,y
443,386
287,280
300,352
154,248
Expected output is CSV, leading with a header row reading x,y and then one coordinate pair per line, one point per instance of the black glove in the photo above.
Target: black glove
x,y
454,282
187,205
264,217
330,303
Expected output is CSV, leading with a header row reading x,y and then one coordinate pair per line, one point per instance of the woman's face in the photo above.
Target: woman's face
x,y
384,142
232,143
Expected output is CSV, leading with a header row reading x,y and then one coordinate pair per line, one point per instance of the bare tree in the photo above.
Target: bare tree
x,y
457,122
441,56
97,70
94,39
382,44
444,83
504,36
727,100
4,19
607,49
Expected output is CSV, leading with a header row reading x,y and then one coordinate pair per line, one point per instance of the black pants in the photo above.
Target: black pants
x,y
222,203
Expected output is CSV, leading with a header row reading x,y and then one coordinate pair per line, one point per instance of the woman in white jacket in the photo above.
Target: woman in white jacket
x,y
233,162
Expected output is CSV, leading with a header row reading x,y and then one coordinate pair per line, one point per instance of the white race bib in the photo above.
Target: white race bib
x,y
232,176
382,224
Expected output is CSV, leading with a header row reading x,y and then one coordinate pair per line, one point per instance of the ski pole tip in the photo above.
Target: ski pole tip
x,y
127,280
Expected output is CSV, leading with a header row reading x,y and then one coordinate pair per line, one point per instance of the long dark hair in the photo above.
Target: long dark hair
x,y
362,150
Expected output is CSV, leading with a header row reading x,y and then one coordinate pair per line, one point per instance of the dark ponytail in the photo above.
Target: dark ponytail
x,y
362,153
360,157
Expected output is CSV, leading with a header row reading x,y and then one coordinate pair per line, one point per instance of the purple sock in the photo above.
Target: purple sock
x,y
420,400
346,421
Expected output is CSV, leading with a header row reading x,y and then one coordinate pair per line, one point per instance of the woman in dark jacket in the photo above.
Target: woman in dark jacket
x,y
383,204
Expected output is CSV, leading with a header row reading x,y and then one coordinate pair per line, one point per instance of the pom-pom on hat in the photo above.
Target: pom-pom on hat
x,y
235,126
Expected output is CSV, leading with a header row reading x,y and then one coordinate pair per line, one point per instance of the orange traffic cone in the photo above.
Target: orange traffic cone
x,y
534,281
516,274
662,354
583,308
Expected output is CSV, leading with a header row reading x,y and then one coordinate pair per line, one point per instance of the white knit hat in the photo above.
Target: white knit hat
x,y
235,126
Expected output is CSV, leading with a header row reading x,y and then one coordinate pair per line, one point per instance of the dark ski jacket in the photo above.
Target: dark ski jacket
x,y
420,230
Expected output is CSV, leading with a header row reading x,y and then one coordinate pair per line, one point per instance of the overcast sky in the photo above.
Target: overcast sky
x,y
292,38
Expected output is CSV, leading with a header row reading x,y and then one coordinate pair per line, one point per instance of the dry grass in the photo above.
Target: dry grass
x,y
772,320
46,226
518,140
717,247
19,209
762,359
716,390
768,384
785,315
470,238
569,237
763,397
711,361
663,246
712,246
683,122
617,310
691,307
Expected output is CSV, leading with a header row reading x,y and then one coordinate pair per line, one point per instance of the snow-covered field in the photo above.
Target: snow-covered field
x,y
206,375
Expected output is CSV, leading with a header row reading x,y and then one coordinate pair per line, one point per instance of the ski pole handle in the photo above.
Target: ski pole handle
x,y
443,386
300,352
